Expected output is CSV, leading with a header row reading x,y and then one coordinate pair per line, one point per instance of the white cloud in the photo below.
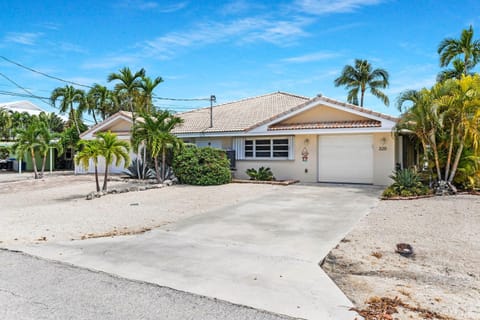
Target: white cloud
x,y
240,31
319,7
26,38
311,57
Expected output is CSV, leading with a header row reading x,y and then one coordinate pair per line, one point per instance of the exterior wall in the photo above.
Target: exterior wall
x,y
322,113
305,171
383,158
216,142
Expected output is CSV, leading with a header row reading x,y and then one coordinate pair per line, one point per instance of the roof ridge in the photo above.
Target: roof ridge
x,y
247,99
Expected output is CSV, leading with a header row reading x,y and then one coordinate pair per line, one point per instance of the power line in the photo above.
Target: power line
x,y
22,88
44,74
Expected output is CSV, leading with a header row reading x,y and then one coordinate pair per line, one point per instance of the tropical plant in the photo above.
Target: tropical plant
x,y
406,183
454,73
202,166
48,141
112,150
128,85
89,150
360,77
148,85
71,102
27,141
466,47
155,132
145,171
53,122
5,124
101,101
262,174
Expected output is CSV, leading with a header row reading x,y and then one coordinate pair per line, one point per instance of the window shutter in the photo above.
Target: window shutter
x,y
239,147
291,149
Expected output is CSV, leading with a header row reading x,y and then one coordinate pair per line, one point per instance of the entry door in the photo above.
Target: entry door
x,y
345,158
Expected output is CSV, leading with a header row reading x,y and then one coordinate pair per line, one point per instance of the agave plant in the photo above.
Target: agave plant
x,y
262,174
139,170
406,183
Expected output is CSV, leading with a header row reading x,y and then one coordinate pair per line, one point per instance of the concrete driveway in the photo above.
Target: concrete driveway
x,y
262,253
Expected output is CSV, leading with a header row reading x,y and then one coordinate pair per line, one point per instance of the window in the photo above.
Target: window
x,y
267,148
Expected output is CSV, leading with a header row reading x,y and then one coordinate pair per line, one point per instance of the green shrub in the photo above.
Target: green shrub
x,y
202,166
406,183
262,174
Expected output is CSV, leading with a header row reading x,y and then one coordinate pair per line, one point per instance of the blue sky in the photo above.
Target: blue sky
x,y
233,49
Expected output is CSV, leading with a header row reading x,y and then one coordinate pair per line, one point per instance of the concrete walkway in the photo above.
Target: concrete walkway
x,y
262,253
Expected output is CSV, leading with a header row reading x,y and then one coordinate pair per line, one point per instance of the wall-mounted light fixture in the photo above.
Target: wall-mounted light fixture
x,y
306,141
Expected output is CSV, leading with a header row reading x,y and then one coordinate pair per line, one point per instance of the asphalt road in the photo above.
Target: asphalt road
x,y
34,288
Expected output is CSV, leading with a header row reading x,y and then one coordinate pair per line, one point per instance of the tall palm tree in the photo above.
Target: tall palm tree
x,y
465,47
71,100
148,85
103,101
360,77
456,72
155,132
112,150
89,149
128,84
27,141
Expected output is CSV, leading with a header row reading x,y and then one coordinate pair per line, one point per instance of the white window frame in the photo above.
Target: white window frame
x,y
271,150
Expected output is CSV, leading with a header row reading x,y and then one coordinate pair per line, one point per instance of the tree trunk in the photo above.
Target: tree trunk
x,y
163,163
96,178
74,116
436,157
144,160
44,161
362,95
106,176
457,160
34,162
450,152
94,117
157,172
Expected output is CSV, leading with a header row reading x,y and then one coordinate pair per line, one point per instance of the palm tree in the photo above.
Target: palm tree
x,y
103,101
465,47
454,73
112,150
89,149
128,85
148,85
69,97
48,140
28,142
460,106
360,77
155,132
421,118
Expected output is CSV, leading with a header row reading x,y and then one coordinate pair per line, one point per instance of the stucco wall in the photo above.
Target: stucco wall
x,y
305,171
322,113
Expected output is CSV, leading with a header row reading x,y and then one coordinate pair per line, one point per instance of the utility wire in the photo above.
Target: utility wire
x,y
22,88
44,74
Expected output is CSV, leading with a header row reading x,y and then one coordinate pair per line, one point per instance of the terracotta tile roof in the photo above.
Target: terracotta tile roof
x,y
327,125
240,115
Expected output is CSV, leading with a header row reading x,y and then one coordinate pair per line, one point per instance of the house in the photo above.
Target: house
x,y
312,140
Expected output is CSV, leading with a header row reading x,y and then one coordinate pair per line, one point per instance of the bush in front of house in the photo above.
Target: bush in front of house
x,y
406,183
202,166
262,174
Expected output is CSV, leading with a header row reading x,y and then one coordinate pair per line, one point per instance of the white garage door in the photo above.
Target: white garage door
x,y
345,158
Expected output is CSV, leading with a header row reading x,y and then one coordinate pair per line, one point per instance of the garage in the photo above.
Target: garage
x,y
345,158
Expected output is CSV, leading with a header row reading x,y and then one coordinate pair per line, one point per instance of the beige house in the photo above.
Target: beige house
x,y
312,140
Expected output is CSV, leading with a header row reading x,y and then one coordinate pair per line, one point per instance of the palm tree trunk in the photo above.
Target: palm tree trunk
x,y
94,117
457,160
362,95
435,156
450,152
163,163
34,162
144,160
157,173
44,161
104,188
74,116
96,178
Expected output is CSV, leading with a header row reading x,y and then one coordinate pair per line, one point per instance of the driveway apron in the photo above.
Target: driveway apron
x,y
263,253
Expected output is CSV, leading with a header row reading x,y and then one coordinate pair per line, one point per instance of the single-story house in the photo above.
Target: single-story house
x,y
312,140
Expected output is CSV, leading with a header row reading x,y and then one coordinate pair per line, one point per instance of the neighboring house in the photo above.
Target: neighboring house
x,y
312,140
31,109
